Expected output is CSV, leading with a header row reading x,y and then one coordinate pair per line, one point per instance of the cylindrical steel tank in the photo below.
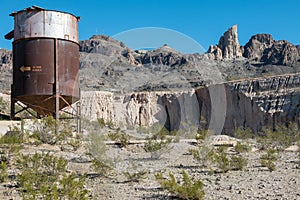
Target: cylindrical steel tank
x,y
45,59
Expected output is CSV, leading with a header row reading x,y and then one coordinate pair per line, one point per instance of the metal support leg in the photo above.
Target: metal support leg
x,y
78,117
12,105
57,94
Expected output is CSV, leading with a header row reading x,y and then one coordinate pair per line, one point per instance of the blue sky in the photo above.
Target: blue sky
x,y
199,20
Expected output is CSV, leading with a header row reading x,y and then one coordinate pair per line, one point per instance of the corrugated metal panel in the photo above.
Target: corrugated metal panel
x,y
44,23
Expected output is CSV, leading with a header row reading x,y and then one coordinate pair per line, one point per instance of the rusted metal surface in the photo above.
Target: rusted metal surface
x,y
45,60
37,22
34,72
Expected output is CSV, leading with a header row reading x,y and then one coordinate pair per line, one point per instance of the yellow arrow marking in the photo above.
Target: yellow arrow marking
x,y
25,68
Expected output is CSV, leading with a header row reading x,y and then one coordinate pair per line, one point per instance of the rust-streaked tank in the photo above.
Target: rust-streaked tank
x,y
45,60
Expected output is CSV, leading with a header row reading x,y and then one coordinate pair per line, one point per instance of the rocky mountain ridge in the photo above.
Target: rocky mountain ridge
x,y
138,87
225,61
260,48
107,64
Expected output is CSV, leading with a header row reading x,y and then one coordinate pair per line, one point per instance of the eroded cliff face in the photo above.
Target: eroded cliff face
x,y
273,100
141,109
249,103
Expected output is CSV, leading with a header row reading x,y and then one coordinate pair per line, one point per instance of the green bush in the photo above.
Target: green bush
x,y
135,176
268,159
243,133
158,144
74,142
4,105
13,136
73,187
44,130
44,176
11,142
298,149
203,154
238,162
207,156
202,134
97,149
101,122
188,189
241,148
120,137
157,147
221,159
3,172
281,138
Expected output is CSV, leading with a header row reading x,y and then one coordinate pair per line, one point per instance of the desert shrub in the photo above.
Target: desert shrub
x,y
11,142
226,162
44,130
202,135
203,154
268,159
134,175
97,149
155,128
280,138
187,189
158,144
241,148
238,162
3,171
73,187
74,142
142,129
221,159
243,133
4,105
44,176
13,136
298,149
207,156
120,137
157,147
101,122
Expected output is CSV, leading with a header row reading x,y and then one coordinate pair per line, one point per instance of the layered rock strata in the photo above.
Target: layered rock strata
x,y
248,103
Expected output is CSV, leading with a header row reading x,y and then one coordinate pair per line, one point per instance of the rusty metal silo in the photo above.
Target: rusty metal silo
x,y
45,60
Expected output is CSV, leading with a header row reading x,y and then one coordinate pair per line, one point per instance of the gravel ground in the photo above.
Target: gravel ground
x,y
253,182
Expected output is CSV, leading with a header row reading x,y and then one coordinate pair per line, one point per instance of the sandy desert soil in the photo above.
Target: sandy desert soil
x,y
253,182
